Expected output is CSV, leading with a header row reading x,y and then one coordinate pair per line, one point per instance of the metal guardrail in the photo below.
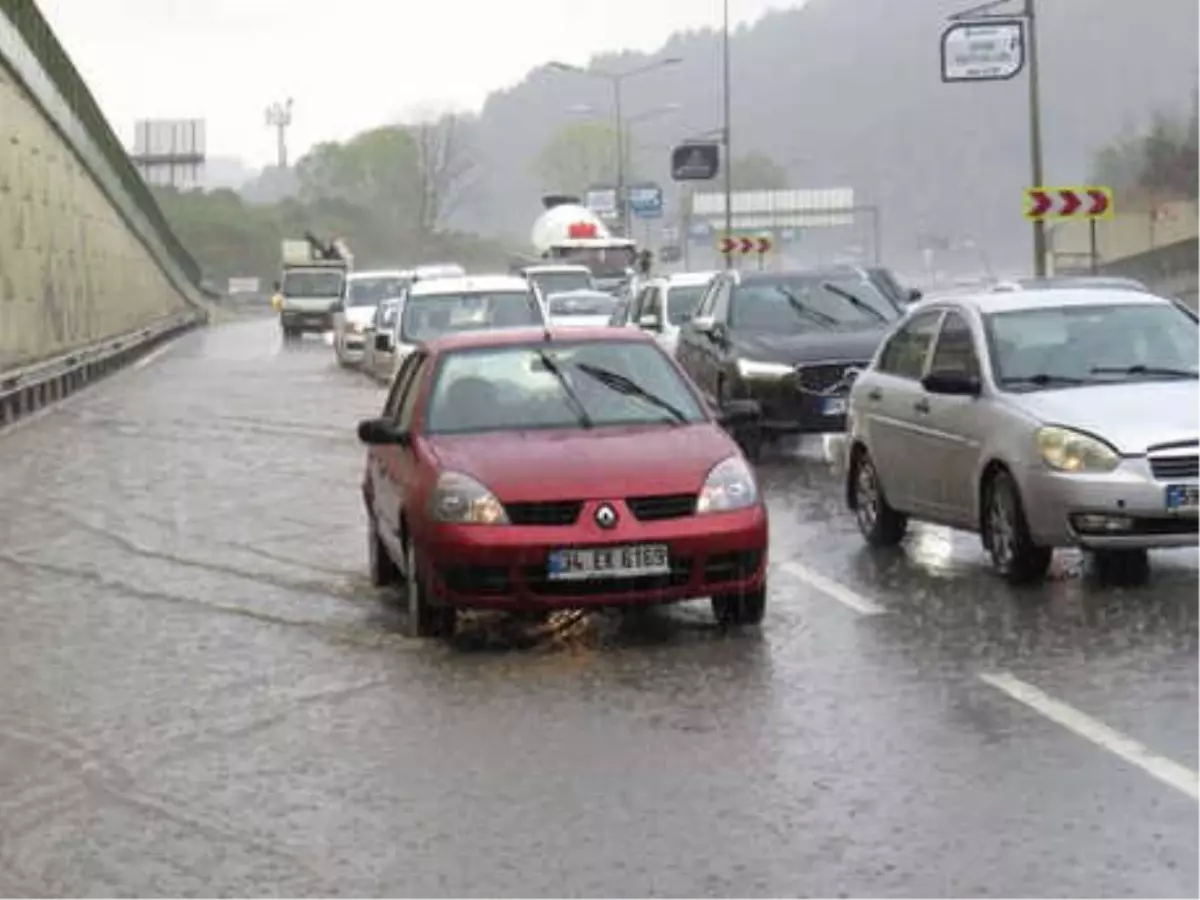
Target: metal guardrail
x,y
26,390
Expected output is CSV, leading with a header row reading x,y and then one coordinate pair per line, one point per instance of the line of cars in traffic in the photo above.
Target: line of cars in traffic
x,y
533,453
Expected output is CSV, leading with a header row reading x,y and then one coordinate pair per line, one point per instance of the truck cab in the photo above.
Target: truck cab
x,y
568,233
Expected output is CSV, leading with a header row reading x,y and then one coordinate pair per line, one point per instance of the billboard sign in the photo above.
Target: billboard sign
x,y
170,152
646,201
978,51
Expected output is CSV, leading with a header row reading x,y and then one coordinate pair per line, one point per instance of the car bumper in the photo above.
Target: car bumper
x,y
788,409
306,321
1123,509
505,567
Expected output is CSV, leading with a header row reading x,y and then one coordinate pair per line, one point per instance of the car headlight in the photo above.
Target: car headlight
x,y
459,499
730,485
752,368
1066,450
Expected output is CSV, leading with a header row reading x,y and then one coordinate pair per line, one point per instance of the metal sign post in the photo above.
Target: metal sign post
x,y
981,45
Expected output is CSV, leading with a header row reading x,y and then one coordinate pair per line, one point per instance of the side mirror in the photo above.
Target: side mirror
x,y
952,383
383,343
703,324
914,294
650,322
736,413
378,432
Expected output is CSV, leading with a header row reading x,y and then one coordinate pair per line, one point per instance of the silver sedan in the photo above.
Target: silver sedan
x,y
1039,419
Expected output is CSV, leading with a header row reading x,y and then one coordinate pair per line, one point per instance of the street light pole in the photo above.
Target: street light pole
x,y
622,206
1035,137
725,133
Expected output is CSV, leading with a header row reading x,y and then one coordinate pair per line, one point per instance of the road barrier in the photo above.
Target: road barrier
x,y
26,390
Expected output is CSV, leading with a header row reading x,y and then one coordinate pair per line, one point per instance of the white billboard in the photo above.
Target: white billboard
x,y
789,208
170,151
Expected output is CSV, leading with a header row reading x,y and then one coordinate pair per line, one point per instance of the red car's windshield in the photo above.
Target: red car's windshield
x,y
519,388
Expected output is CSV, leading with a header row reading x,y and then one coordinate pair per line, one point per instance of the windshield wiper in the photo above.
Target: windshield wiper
x,y
1140,369
795,303
850,298
572,398
1043,379
622,384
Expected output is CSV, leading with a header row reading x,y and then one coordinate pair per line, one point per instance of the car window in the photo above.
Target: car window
x,y
1100,342
792,304
432,316
512,388
371,291
583,303
683,301
955,349
710,296
653,305
391,409
412,390
905,352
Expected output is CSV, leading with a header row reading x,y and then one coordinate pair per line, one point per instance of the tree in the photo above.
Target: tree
x,y
446,170
1159,164
758,172
579,155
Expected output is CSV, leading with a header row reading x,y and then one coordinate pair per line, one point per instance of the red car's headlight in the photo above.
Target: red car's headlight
x,y
730,485
459,499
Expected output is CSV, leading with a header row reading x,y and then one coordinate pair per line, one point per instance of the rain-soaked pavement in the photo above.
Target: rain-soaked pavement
x,y
203,695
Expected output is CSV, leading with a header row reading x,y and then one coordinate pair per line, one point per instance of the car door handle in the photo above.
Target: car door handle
x,y
874,394
921,406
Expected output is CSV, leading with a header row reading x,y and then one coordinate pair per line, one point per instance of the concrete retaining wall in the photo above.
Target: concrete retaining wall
x,y
84,255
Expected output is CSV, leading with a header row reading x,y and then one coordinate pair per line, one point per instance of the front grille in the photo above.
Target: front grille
x,y
1165,467
823,377
663,506
551,512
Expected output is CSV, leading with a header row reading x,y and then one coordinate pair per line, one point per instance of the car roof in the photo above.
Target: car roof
x,y
688,279
555,267
469,284
1048,298
515,337
380,273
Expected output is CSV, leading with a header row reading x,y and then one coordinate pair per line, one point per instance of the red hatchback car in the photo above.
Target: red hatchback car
x,y
532,470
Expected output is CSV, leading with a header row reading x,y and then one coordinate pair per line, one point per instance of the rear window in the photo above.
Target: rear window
x,y
430,317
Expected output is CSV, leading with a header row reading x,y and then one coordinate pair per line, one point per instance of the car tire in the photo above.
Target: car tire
x,y
745,608
880,523
384,571
1015,557
1124,568
425,620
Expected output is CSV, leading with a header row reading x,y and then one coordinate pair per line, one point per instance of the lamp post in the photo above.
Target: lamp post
x,y
617,80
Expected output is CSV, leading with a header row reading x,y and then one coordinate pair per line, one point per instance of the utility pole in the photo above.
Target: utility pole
x,y
279,117
725,140
1035,135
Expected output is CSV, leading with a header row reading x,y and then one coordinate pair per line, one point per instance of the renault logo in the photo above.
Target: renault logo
x,y
606,516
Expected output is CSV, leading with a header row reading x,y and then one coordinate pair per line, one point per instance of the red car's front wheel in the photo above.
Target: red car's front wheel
x,y
424,618
746,608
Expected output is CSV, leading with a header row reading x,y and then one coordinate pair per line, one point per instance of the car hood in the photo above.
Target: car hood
x,y
1132,416
360,315
528,466
858,345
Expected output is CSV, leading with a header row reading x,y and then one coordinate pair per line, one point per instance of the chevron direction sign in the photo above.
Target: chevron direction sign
x,y
1087,202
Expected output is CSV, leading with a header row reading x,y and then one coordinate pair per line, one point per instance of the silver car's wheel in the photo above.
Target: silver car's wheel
x,y
1001,530
1015,556
879,523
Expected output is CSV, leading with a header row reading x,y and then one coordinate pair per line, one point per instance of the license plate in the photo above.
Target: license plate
x,y
608,562
834,406
1183,497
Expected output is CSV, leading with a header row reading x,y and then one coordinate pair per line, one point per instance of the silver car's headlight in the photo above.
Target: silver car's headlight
x,y
459,499
752,368
1067,450
730,485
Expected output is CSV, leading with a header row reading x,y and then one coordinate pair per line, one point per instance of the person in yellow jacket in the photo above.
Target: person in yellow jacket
x,y
277,301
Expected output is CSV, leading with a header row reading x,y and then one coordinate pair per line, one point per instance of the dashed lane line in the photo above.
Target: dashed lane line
x,y
1133,752
833,589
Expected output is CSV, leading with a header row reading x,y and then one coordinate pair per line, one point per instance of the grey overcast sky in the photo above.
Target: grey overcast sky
x,y
349,64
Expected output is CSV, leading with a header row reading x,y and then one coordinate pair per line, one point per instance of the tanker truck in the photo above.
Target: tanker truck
x,y
567,232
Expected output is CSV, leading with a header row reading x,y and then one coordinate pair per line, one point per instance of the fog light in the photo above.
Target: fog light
x,y
1099,523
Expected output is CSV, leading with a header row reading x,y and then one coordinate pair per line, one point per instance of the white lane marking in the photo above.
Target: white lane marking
x,y
1134,752
152,356
833,589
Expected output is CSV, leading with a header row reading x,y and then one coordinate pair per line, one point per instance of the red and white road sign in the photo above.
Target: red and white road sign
x,y
1087,202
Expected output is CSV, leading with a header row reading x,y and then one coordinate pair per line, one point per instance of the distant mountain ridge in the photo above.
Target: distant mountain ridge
x,y
848,92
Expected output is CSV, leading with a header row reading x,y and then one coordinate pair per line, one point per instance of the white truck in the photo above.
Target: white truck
x,y
311,284
568,232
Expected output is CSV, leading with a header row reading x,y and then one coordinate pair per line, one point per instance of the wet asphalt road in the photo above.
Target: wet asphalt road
x,y
203,695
